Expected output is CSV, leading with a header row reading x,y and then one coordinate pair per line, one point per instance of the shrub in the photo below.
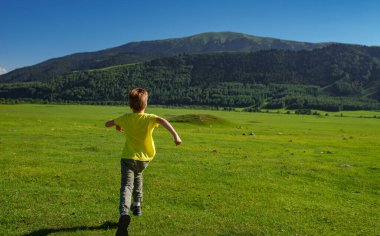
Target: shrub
x,y
303,112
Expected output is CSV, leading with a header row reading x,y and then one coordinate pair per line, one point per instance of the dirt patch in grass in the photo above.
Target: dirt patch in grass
x,y
199,119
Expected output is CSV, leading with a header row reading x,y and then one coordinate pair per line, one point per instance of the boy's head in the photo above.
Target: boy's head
x,y
138,99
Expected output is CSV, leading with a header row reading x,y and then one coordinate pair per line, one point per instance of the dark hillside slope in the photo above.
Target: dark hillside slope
x,y
143,51
331,78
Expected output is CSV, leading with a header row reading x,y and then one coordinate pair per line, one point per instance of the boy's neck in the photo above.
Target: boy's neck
x,y
141,112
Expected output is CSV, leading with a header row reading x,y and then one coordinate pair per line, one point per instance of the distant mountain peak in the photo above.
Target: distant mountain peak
x,y
225,34
208,42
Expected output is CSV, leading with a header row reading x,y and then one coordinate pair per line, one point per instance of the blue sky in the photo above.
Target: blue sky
x,y
36,30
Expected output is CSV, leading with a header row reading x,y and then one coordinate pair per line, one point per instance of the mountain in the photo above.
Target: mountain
x,y
334,77
136,52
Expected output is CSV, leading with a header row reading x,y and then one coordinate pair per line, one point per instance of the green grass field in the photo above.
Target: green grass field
x,y
298,175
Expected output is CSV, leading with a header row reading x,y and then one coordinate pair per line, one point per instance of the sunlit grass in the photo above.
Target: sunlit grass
x,y
305,175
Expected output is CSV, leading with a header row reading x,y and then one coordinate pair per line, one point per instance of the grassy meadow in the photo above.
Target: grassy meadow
x,y
297,175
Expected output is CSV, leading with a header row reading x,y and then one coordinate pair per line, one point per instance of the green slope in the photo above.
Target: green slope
x,y
147,50
331,78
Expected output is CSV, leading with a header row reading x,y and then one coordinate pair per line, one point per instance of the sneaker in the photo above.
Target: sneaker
x,y
137,210
122,226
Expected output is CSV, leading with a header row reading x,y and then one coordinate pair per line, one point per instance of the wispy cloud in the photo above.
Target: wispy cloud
x,y
2,70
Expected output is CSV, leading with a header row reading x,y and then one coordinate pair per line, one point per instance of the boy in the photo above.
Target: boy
x,y
138,151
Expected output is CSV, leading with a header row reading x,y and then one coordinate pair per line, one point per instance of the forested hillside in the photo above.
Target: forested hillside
x,y
332,78
136,52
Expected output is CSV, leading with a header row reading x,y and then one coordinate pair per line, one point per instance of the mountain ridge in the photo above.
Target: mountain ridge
x,y
147,50
213,69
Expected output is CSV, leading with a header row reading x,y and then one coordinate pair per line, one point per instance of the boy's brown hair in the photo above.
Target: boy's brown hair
x,y
138,99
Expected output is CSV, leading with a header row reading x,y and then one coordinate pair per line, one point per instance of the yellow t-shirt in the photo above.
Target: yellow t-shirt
x,y
138,130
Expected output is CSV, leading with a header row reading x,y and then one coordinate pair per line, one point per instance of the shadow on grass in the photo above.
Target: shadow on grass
x,y
41,232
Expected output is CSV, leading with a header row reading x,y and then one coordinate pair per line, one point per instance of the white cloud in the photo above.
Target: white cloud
x,y
2,70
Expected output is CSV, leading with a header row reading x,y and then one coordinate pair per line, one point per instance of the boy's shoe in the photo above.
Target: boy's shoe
x,y
137,211
122,226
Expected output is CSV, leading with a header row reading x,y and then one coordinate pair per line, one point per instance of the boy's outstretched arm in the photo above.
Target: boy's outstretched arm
x,y
169,127
111,123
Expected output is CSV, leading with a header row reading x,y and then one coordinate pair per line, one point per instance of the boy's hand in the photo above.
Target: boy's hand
x,y
177,141
118,128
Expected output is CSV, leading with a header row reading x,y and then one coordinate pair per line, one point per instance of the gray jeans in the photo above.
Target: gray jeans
x,y
131,183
